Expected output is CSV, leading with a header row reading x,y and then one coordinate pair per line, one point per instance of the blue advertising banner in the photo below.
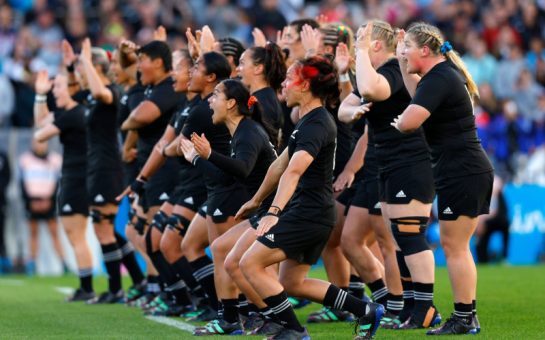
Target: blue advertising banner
x,y
526,209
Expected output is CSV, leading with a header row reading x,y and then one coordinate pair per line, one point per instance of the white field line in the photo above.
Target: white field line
x,y
65,290
160,319
173,323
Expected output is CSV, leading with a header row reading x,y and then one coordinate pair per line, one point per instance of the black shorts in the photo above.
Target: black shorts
x,y
405,183
130,172
71,196
347,195
464,196
203,208
301,240
160,186
255,218
175,194
192,198
222,205
104,187
366,196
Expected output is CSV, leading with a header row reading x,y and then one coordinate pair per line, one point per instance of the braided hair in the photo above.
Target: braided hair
x,y
428,35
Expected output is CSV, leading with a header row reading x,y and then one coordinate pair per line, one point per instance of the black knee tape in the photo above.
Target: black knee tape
x,y
147,238
110,217
96,216
178,223
159,221
410,234
403,269
140,225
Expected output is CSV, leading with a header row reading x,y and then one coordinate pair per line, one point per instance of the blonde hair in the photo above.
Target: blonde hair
x,y
428,35
385,32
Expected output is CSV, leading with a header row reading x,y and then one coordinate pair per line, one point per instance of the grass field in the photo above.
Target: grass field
x,y
510,306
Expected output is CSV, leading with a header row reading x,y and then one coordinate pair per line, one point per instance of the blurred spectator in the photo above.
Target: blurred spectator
x,y
269,19
487,99
479,62
495,221
7,98
526,95
7,31
20,68
76,25
5,177
40,171
534,171
222,17
497,38
535,58
49,36
529,22
508,73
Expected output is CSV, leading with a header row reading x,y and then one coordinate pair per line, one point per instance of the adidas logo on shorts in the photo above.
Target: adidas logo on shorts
x,y
204,208
217,213
447,211
401,194
99,198
164,196
270,237
67,208
378,206
189,200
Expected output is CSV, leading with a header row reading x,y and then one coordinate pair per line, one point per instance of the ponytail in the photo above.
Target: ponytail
x,y
272,58
456,60
248,106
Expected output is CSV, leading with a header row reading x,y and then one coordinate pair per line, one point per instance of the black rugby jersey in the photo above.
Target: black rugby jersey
x,y
71,123
394,148
167,100
189,176
315,133
345,143
199,121
450,130
251,155
271,109
128,102
103,150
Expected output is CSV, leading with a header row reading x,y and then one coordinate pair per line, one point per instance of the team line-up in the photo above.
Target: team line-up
x,y
320,144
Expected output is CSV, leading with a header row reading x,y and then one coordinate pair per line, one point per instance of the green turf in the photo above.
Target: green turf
x,y
510,306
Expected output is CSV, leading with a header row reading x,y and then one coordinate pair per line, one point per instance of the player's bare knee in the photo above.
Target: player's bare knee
x,y
248,266
231,264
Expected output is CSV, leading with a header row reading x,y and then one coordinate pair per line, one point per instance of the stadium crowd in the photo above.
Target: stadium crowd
x,y
501,41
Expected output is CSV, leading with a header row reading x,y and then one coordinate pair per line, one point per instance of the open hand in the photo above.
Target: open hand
x,y
43,84
68,55
188,149
364,37
259,37
202,145
247,209
311,39
342,58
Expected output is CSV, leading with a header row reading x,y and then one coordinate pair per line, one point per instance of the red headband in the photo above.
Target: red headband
x,y
309,72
